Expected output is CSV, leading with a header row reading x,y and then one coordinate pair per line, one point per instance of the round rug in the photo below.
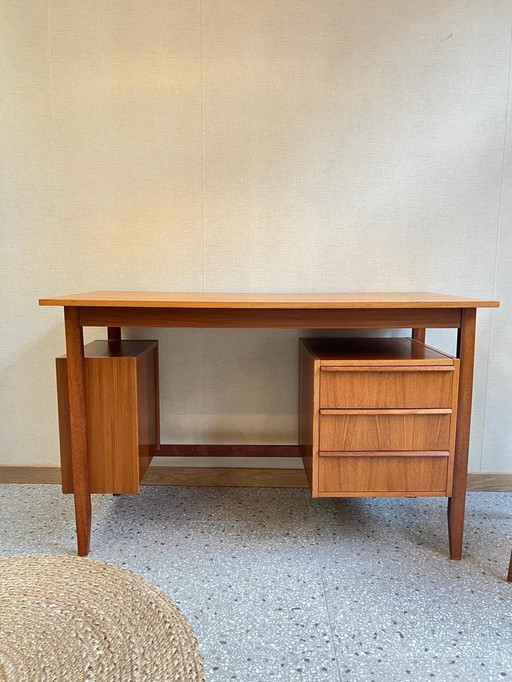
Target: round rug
x,y
73,619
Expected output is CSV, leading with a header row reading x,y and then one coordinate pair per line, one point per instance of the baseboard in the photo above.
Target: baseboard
x,y
227,476
29,474
490,482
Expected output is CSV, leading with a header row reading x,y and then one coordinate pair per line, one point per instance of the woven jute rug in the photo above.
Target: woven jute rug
x,y
71,619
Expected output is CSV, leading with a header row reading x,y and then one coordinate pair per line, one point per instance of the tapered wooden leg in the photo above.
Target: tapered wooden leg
x,y
456,505
114,333
114,340
509,577
419,335
78,424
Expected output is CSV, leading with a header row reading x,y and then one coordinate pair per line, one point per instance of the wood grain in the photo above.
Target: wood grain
x,y
66,467
121,415
380,351
226,476
260,300
394,475
167,475
30,475
147,408
112,420
255,318
419,335
309,366
492,482
390,426
386,389
386,432
453,425
78,444
188,450
456,504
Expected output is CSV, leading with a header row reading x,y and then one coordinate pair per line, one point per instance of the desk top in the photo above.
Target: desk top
x,y
149,299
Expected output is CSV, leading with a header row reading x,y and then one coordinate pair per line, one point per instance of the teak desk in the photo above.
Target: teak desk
x,y
115,309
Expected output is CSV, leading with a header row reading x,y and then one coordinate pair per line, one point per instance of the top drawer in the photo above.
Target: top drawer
x,y
377,387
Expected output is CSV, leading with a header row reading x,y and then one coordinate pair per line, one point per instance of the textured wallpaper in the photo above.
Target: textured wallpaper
x,y
250,146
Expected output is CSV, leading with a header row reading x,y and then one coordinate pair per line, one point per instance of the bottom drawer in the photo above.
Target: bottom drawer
x,y
383,474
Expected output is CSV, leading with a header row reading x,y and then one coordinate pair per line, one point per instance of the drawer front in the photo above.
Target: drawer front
x,y
390,388
383,475
384,432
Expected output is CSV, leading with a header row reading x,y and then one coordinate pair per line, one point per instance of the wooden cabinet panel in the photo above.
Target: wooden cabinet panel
x,y
308,409
122,414
384,432
383,475
381,419
414,387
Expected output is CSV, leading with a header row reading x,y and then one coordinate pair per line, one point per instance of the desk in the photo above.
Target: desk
x,y
418,311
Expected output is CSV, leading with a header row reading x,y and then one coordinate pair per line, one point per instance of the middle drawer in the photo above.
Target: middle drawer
x,y
345,430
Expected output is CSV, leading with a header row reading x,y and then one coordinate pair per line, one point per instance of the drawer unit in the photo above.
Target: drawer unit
x,y
121,379
377,417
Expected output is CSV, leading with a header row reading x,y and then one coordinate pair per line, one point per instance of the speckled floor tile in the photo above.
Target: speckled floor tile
x,y
394,596
281,587
246,578
420,669
244,571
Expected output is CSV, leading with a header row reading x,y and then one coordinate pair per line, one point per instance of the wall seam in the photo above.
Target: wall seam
x,y
203,236
496,249
201,134
52,93
50,59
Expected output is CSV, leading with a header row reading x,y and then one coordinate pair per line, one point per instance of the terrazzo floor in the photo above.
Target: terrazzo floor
x,y
279,587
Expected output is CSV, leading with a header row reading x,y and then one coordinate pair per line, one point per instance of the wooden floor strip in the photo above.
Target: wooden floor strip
x,y
227,476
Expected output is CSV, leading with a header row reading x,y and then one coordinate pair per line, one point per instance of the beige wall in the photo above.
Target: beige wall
x,y
244,145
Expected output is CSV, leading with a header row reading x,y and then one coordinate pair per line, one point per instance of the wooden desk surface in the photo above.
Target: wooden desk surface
x,y
339,301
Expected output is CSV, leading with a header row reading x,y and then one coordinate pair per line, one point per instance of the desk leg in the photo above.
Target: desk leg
x,y
419,335
78,423
456,504
114,342
114,333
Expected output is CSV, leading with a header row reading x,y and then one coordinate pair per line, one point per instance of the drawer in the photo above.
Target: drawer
x,y
384,431
383,475
413,387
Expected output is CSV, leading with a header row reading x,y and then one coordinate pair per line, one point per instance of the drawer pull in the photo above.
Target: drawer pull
x,y
381,368
383,453
406,411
